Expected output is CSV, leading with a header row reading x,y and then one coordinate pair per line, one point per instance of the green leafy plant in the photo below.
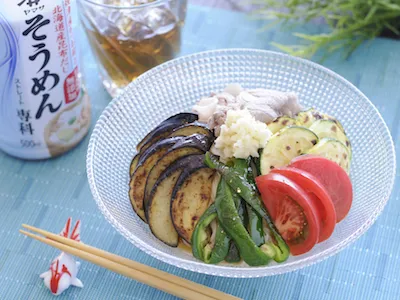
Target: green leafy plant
x,y
350,22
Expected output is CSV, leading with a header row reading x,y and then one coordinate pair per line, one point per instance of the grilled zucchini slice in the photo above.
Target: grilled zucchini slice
x,y
280,123
333,150
285,145
330,129
308,117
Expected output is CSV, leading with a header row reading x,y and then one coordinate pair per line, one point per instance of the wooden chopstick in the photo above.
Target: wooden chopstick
x,y
159,279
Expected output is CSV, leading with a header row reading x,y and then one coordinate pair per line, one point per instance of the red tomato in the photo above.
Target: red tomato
x,y
321,199
292,210
335,180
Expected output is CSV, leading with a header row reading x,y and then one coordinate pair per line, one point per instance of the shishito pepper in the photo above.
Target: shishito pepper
x,y
248,192
230,221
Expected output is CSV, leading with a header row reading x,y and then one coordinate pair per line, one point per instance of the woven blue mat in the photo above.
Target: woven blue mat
x,y
46,193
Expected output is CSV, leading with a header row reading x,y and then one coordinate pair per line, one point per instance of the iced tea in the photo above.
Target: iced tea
x,y
128,41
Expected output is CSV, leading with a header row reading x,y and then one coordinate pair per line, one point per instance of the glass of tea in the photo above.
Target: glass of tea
x,y
129,37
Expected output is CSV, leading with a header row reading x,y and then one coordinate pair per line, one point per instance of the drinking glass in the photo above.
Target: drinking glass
x,y
129,37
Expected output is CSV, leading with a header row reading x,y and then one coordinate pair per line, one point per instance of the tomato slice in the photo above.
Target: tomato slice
x,y
320,197
335,180
292,210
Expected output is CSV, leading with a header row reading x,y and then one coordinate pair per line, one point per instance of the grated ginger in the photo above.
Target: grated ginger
x,y
241,136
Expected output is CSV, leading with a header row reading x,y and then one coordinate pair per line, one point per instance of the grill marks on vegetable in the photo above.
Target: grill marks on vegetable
x,y
176,146
164,162
327,128
332,144
190,199
163,129
145,164
280,123
173,189
324,126
138,182
160,151
157,208
283,146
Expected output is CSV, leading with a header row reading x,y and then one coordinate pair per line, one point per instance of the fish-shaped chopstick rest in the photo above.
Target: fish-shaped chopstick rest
x,y
64,269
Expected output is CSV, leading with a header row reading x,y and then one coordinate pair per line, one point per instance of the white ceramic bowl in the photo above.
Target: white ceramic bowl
x,y
175,86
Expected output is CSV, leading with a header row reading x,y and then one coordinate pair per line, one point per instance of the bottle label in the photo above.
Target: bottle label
x,y
44,111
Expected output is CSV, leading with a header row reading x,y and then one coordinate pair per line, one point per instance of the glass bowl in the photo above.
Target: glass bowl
x,y
176,85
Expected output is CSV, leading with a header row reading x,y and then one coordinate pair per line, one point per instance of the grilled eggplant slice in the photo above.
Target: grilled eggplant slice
x,y
145,163
191,196
165,128
158,207
150,157
184,130
134,164
158,214
192,144
163,163
193,128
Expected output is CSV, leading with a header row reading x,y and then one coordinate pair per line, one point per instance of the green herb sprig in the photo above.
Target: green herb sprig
x,y
351,22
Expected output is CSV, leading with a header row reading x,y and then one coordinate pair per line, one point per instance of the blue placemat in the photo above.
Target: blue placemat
x,y
46,193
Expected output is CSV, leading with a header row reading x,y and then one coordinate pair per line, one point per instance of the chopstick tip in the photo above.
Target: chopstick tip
x,y
23,232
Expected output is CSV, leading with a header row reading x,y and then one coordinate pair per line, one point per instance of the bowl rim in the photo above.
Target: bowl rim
x,y
221,270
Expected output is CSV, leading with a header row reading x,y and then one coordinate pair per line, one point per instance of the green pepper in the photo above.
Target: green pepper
x,y
223,243
221,246
256,228
240,165
230,221
249,193
252,221
201,246
242,211
256,163
233,253
252,172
